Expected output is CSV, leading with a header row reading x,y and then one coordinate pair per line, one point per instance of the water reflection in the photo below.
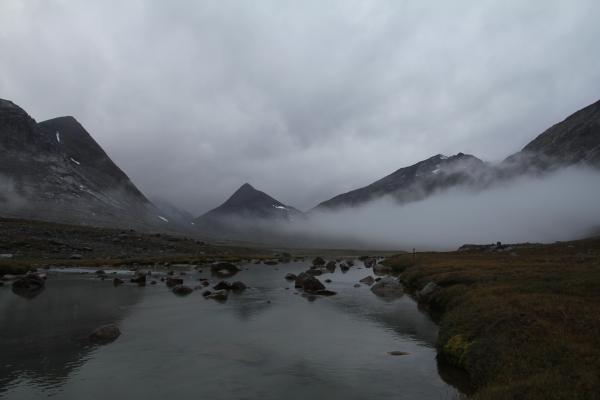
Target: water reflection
x,y
267,342
41,338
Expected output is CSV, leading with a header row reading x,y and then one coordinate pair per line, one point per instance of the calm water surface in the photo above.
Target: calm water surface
x,y
268,342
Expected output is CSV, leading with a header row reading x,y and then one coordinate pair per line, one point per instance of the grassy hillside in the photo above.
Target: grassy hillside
x,y
524,322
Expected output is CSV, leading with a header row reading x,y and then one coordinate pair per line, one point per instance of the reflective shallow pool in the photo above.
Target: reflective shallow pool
x,y
268,342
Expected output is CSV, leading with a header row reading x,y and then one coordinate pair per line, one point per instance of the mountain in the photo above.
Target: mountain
x,y
418,181
249,203
55,171
575,140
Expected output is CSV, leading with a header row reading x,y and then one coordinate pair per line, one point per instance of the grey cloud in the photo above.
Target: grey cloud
x,y
303,99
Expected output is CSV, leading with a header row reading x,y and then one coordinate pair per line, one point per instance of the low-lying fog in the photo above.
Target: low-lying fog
x,y
561,206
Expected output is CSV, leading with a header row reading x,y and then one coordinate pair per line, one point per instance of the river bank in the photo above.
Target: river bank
x,y
522,321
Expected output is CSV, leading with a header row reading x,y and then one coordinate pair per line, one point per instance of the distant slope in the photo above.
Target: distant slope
x,y
55,171
417,181
249,203
574,141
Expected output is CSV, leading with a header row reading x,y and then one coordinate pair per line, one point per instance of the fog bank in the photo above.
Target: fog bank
x,y
561,206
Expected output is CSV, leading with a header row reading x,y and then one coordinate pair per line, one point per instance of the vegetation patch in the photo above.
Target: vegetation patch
x,y
524,323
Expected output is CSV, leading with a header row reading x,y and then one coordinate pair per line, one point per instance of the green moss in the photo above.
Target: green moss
x,y
456,349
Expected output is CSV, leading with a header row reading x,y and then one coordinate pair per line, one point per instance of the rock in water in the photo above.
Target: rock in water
x,y
381,269
368,280
319,261
238,286
105,334
224,269
222,286
312,284
397,353
182,290
172,282
219,295
290,277
117,281
388,287
140,279
29,286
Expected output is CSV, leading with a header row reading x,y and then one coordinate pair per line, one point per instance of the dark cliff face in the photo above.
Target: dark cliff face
x,y
75,143
574,141
418,181
56,171
247,202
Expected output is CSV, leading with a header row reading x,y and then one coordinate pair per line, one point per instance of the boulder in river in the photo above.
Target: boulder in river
x,y
344,267
319,261
219,295
325,292
388,287
381,269
370,262
172,282
105,334
182,290
331,265
29,286
367,280
314,272
312,284
238,286
117,281
139,278
222,286
224,269
290,277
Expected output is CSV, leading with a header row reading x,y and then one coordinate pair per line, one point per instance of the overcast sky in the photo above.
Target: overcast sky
x,y
303,99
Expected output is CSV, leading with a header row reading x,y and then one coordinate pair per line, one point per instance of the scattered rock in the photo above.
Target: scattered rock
x,y
206,293
100,272
117,281
327,280
325,292
271,262
331,265
76,257
290,277
370,262
29,286
238,286
220,295
312,284
182,290
105,334
224,269
222,286
397,353
344,267
319,261
172,282
388,287
428,290
368,280
381,269
140,279
205,283
356,285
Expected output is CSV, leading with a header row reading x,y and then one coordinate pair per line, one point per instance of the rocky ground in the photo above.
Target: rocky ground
x,y
27,244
